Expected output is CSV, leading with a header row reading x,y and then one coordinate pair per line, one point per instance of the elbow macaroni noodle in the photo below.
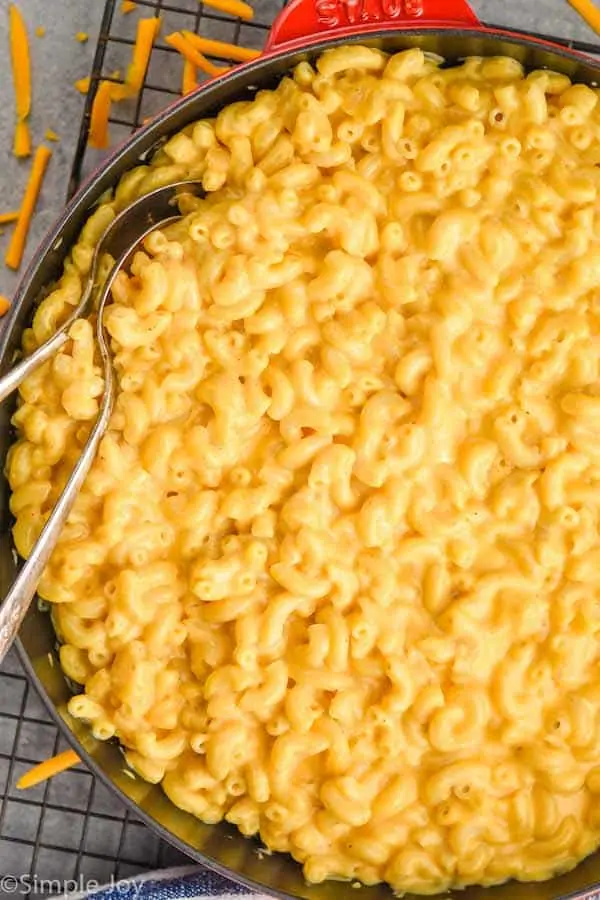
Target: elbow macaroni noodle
x,y
335,575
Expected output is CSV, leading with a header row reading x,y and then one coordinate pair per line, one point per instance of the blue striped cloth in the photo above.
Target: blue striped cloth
x,y
196,883
186,883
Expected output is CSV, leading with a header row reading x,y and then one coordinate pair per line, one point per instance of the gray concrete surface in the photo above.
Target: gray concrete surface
x,y
58,60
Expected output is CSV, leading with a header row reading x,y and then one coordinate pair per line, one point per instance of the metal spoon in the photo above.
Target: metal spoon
x,y
121,239
126,229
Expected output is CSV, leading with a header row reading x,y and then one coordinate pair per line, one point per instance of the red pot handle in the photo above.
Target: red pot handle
x,y
303,21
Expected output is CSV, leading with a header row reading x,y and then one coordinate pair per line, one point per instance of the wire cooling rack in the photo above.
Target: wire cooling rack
x,y
162,83
71,830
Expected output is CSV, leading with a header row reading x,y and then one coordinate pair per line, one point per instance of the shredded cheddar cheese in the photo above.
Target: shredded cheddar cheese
x,y
108,91
4,305
48,768
128,6
147,32
189,52
589,12
8,217
221,48
22,144
40,31
51,135
232,8
100,114
14,254
82,37
83,85
188,79
21,69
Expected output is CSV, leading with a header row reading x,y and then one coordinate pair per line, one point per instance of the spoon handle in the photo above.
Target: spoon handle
x,y
17,601
11,381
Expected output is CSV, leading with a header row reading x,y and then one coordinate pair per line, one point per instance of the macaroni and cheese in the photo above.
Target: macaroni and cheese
x,y
335,575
